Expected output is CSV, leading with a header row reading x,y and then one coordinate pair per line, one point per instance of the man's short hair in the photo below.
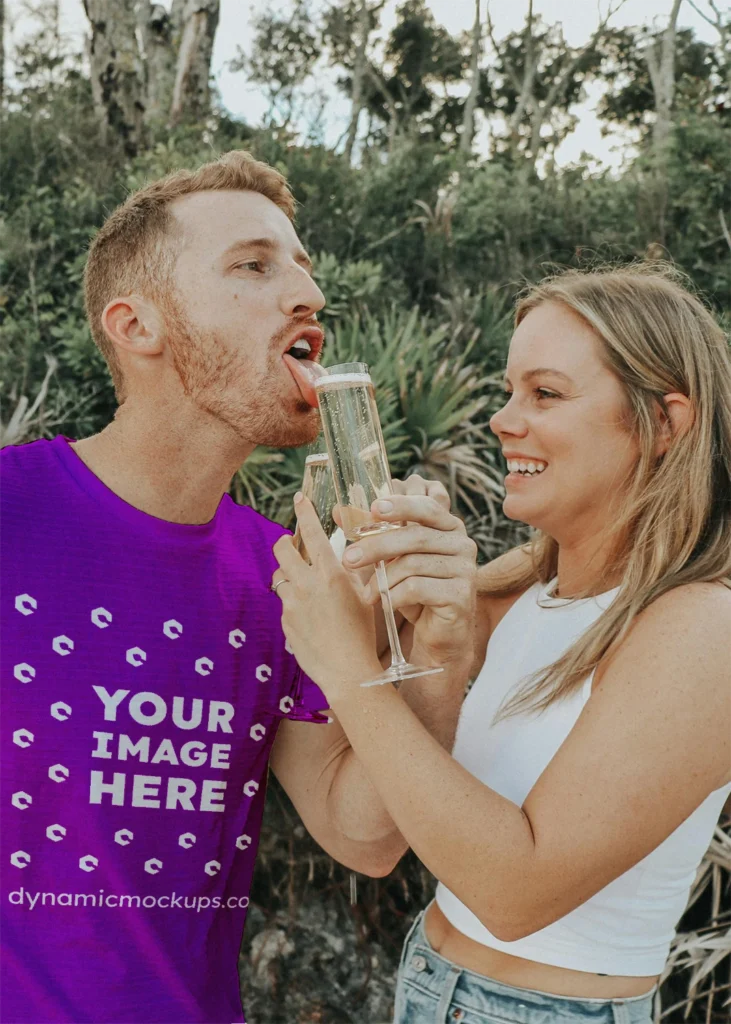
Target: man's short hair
x,y
135,252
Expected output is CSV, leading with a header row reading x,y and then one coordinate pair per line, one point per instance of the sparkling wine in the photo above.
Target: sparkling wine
x,y
317,485
360,469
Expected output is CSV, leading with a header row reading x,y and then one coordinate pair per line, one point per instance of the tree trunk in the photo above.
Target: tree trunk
x,y
662,76
156,33
468,120
117,74
2,51
526,96
359,71
191,89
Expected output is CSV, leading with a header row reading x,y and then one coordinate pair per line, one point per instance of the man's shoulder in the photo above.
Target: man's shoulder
x,y
246,518
20,455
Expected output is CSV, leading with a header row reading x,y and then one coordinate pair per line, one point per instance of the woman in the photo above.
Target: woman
x,y
593,753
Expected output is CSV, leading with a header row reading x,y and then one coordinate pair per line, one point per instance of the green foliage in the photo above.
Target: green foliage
x,y
419,252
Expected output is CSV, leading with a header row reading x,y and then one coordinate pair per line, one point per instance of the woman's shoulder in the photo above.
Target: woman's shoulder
x,y
706,604
496,596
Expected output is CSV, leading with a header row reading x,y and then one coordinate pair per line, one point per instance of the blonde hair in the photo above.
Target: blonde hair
x,y
135,248
675,526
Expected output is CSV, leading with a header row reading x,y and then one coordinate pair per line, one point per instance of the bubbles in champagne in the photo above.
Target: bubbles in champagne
x,y
353,431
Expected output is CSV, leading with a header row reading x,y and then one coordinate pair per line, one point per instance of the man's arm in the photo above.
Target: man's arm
x,y
332,791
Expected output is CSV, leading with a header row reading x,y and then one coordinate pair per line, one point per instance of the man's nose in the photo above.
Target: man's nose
x,y
304,297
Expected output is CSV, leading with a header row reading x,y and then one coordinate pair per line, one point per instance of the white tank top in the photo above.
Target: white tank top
x,y
626,927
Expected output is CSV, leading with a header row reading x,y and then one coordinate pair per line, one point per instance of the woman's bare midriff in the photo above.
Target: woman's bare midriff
x,y
453,945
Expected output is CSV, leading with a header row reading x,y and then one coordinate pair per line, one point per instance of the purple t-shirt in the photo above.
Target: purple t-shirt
x,y
144,674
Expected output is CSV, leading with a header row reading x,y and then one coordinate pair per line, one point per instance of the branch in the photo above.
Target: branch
x,y
563,78
717,23
380,85
724,228
509,66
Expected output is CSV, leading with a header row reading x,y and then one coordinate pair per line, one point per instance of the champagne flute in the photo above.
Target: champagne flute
x,y
317,485
361,475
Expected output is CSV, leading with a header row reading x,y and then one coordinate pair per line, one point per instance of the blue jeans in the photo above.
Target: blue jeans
x,y
432,990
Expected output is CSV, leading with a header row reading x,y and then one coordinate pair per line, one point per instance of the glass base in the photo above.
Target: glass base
x,y
397,673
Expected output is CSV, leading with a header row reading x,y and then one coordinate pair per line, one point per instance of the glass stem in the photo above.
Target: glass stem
x,y
397,657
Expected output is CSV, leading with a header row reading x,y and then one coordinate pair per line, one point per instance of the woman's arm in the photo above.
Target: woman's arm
x,y
650,745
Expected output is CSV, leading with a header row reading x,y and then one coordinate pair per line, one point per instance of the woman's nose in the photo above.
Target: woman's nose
x,y
508,420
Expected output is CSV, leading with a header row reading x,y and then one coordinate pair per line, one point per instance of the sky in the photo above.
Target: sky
x,y
578,17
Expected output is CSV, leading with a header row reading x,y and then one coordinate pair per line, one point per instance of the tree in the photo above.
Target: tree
x,y
117,73
2,50
723,27
347,31
283,53
660,57
191,93
149,67
541,77
699,87
468,119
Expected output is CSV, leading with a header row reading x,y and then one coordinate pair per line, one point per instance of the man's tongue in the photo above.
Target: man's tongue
x,y
304,372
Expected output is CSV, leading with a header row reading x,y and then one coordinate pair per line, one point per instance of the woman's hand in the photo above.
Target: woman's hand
x,y
432,580
431,569
325,618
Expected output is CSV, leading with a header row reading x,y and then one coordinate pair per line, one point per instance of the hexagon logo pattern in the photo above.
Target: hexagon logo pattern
x,y
20,859
24,672
123,836
237,638
212,867
88,863
55,833
62,645
172,629
243,842
21,800
136,656
204,666
101,617
23,737
257,732
186,840
60,711
285,705
251,787
26,605
263,673
58,773
153,866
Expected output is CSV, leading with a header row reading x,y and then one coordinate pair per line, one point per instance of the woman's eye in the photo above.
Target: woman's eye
x,y
545,393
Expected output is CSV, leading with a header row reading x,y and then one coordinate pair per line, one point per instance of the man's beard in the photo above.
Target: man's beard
x,y
224,384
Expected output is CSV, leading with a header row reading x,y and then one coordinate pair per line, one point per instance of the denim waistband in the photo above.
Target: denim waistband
x,y
453,986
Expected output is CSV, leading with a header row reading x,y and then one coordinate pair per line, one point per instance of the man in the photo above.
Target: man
x,y
145,672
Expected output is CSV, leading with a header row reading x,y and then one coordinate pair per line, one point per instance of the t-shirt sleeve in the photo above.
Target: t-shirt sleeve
x,y
309,700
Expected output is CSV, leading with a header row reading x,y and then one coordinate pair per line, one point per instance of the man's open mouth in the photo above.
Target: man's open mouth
x,y
301,360
307,344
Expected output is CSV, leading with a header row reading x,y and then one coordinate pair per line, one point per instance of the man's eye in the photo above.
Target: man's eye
x,y
250,265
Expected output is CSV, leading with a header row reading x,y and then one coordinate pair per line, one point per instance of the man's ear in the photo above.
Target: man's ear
x,y
134,324
675,419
